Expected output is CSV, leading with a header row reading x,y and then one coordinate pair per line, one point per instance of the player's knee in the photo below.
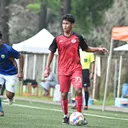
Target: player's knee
x,y
79,92
64,95
9,95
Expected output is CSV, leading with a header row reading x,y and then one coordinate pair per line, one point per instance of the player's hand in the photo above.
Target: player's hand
x,y
20,75
102,50
46,72
91,76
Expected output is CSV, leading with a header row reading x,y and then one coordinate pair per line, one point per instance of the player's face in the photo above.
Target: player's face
x,y
67,26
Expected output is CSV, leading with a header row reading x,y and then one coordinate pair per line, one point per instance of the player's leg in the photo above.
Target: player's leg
x,y
10,83
77,83
76,80
86,84
64,82
3,89
1,85
10,96
79,101
86,97
45,86
1,109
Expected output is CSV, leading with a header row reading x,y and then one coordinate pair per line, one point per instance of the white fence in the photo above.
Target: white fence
x,y
34,65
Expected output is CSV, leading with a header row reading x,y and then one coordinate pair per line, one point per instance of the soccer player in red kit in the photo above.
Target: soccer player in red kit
x,y
69,66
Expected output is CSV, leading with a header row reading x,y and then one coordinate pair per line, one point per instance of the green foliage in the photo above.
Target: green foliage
x,y
54,5
34,7
90,13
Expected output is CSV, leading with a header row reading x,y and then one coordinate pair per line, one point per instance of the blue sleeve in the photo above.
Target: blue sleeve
x,y
13,53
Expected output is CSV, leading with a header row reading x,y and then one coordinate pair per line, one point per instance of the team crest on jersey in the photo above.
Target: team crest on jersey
x,y
2,56
73,40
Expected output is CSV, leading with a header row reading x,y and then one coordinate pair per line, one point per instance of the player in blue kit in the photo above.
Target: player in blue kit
x,y
9,70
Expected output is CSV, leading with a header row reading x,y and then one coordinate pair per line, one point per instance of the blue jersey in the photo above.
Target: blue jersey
x,y
8,65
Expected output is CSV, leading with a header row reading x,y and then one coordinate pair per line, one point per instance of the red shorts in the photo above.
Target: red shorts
x,y
75,79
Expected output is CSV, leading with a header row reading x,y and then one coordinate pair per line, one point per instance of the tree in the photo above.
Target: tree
x,y
47,12
67,6
43,16
4,17
89,13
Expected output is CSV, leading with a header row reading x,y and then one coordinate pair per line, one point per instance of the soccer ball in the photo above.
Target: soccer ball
x,y
77,118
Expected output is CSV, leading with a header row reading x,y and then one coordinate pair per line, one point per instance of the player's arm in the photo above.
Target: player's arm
x,y
92,65
16,55
49,60
96,49
21,66
85,47
52,49
92,70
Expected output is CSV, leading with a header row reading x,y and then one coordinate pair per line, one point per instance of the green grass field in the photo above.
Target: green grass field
x,y
25,114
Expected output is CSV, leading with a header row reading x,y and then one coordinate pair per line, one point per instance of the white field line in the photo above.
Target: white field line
x,y
56,110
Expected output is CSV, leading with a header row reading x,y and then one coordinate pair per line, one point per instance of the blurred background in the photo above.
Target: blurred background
x,y
22,19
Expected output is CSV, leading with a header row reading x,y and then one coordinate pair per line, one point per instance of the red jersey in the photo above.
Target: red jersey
x,y
68,52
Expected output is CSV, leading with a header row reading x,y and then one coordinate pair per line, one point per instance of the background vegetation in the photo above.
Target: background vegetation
x,y
21,19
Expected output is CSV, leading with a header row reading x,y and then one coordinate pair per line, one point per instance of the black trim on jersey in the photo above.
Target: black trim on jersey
x,y
53,46
83,43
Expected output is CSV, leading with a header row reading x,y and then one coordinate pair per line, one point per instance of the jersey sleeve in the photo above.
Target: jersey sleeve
x,y
53,46
83,43
13,53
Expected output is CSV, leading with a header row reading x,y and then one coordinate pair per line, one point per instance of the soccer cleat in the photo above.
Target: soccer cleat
x,y
85,107
66,120
1,113
84,122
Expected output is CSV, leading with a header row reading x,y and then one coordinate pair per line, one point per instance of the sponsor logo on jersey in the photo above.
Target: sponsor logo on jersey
x,y
85,60
60,41
2,56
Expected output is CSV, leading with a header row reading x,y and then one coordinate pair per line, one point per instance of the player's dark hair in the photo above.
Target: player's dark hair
x,y
69,17
0,35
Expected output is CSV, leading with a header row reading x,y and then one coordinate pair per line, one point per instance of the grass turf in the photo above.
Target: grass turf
x,y
22,115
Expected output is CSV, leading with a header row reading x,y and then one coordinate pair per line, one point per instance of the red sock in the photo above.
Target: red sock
x,y
64,105
79,103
